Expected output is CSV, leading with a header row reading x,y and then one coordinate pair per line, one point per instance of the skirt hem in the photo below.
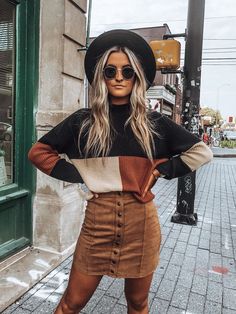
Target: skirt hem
x,y
117,275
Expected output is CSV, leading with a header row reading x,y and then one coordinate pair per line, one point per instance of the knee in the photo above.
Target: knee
x,y
72,305
138,303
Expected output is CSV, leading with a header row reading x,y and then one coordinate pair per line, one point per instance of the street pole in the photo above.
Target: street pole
x,y
190,106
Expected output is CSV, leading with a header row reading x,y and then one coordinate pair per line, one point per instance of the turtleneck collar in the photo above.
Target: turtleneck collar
x,y
120,108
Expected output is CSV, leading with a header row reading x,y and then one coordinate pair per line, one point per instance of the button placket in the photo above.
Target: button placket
x,y
118,233
120,214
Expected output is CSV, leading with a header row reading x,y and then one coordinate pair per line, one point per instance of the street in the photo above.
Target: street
x,y
197,272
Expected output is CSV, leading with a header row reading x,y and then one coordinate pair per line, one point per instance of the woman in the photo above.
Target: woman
x,y
118,149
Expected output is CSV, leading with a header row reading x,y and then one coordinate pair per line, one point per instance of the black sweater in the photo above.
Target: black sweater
x,y
177,152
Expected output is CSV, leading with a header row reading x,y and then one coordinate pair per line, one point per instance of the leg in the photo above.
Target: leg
x,y
78,292
136,292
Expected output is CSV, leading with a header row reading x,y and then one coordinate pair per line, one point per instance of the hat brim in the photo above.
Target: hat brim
x,y
121,38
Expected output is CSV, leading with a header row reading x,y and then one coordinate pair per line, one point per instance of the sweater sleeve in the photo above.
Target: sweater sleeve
x,y
45,153
187,152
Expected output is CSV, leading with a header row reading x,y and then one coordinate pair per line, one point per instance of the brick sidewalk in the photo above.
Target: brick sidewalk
x,y
197,271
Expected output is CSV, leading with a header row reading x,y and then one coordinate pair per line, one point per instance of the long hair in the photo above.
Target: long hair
x,y
98,126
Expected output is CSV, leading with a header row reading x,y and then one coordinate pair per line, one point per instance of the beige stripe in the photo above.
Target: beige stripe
x,y
100,175
197,155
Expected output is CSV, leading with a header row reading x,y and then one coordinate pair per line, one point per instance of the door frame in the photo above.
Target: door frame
x,y
20,193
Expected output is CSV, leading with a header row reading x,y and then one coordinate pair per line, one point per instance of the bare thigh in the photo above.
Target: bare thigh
x,y
137,289
78,292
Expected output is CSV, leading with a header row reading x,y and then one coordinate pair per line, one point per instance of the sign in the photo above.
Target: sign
x,y
231,119
167,53
160,92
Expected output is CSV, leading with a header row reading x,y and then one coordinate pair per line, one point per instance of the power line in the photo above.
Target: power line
x,y
232,51
218,58
214,59
219,64
219,38
153,36
217,48
165,21
222,52
205,53
220,17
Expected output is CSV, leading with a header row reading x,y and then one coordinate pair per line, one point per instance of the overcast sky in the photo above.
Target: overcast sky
x,y
218,84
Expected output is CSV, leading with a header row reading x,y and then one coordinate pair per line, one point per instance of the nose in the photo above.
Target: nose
x,y
119,76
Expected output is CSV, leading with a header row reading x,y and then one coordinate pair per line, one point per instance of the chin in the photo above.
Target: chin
x,y
119,93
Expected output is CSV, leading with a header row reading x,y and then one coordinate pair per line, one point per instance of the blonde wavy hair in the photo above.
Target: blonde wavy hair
x,y
98,126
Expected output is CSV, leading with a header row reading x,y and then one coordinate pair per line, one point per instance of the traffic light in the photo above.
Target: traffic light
x,y
167,53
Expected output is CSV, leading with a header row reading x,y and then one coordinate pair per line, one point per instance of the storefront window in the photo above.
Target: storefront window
x,y
7,73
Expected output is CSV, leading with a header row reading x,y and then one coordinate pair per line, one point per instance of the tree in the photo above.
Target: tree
x,y
214,114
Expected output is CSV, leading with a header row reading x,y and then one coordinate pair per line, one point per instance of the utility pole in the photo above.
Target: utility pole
x,y
190,106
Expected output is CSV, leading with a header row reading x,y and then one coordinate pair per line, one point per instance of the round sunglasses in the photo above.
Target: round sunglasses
x,y
110,72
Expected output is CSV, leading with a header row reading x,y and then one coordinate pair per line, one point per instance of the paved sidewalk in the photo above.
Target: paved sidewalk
x,y
197,272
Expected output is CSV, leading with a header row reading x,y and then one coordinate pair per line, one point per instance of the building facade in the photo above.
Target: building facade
x,y
41,83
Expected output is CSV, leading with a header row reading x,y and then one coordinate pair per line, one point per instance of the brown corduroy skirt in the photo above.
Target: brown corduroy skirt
x,y
120,237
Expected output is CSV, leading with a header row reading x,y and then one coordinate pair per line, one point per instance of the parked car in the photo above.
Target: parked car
x,y
230,135
5,131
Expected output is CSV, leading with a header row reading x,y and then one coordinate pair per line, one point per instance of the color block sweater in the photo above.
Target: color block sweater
x,y
126,167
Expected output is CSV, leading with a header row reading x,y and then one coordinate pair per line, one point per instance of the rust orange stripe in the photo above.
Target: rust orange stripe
x,y
43,156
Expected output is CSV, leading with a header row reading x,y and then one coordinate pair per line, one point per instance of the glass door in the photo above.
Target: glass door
x,y
7,71
19,23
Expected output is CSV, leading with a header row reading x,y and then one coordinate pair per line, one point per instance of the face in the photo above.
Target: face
x,y
119,88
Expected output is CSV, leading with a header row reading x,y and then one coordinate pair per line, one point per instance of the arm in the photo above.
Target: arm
x,y
187,152
44,154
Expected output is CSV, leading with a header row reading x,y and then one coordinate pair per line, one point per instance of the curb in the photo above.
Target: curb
x,y
225,155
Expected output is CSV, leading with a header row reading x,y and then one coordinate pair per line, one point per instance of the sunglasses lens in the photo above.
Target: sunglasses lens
x,y
109,72
128,73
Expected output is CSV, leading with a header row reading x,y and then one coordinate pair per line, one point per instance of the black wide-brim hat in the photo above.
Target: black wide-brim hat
x,y
121,38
